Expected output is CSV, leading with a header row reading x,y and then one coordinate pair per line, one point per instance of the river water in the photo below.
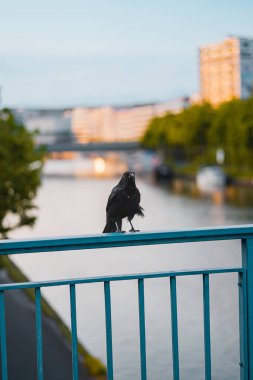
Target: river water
x,y
70,206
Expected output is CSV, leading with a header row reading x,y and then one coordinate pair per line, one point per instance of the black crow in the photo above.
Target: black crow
x,y
123,202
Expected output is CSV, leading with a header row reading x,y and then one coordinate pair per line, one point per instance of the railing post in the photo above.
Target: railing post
x,y
72,291
3,337
207,335
174,327
39,334
142,329
243,325
108,327
247,263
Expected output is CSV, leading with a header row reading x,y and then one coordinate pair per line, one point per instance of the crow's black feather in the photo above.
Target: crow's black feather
x,y
123,202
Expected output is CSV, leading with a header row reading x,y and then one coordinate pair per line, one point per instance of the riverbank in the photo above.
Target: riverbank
x,y
236,178
21,337
236,193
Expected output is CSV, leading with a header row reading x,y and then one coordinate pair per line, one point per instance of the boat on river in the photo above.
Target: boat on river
x,y
210,178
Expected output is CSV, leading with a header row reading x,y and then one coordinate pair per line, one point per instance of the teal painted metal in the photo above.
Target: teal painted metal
x,y
245,273
247,263
207,338
39,334
142,329
10,247
125,277
243,325
174,327
108,327
3,337
72,292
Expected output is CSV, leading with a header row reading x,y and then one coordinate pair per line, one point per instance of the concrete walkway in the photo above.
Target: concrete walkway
x,y
21,341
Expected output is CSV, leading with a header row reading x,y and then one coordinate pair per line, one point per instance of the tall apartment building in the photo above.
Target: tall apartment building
x,y
226,70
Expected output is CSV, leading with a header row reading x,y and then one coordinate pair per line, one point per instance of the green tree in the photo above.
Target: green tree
x,y
193,136
232,130
20,169
196,121
154,135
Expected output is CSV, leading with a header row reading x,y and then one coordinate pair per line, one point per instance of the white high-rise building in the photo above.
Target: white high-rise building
x,y
226,70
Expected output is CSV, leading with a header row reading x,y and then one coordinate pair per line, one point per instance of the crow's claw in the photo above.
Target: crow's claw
x,y
133,230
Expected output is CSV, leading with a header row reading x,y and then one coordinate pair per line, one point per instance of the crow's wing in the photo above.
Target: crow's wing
x,y
112,197
138,195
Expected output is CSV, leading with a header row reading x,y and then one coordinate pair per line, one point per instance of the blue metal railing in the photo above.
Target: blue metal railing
x,y
245,283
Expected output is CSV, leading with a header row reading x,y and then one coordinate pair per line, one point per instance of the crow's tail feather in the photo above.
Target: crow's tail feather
x,y
110,227
140,211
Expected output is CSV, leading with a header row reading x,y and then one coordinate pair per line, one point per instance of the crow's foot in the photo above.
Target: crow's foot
x,y
133,230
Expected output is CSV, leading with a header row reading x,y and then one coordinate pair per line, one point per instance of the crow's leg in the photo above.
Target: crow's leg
x,y
132,229
119,225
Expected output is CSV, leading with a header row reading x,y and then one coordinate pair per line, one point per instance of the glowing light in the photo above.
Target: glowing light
x,y
99,165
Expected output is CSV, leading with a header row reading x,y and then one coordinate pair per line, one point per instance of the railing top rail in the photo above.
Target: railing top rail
x,y
52,244
122,277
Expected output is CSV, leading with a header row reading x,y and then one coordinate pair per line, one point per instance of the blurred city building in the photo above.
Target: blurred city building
x,y
93,124
51,125
119,123
226,70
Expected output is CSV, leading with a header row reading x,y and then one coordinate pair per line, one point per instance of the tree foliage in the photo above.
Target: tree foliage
x,y
201,129
20,168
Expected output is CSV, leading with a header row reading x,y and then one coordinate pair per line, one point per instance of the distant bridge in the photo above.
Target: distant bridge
x,y
92,147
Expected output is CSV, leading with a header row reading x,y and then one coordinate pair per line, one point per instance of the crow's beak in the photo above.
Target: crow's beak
x,y
132,175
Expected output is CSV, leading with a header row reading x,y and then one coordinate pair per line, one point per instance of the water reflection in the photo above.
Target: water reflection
x,y
144,163
85,165
241,196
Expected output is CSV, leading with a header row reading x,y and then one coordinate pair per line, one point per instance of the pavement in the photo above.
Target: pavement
x,y
21,341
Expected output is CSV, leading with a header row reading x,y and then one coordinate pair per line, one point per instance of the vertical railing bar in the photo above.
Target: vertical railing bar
x,y
174,327
142,329
243,325
74,343
247,264
108,325
3,337
39,334
207,337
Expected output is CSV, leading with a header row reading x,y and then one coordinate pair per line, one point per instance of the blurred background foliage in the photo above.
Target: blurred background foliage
x,y
20,169
191,138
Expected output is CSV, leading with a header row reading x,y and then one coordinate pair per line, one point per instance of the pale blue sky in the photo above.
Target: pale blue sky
x,y
65,53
